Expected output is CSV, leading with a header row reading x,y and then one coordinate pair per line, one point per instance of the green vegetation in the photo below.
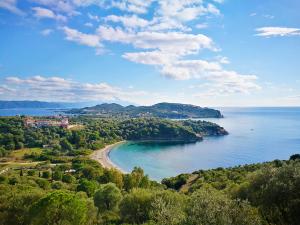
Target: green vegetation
x,y
160,110
59,143
272,188
256,194
59,184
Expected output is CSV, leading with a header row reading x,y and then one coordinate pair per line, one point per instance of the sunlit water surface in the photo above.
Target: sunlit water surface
x,y
256,135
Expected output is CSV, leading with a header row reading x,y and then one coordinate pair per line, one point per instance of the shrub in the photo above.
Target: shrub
x,y
31,173
46,174
57,185
57,175
68,178
3,179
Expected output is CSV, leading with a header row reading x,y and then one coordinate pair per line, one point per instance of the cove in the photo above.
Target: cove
x,y
256,135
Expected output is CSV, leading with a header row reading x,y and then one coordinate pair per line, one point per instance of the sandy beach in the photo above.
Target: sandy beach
x,y
102,156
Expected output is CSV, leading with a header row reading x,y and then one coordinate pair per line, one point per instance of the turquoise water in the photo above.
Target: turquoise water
x,y
256,135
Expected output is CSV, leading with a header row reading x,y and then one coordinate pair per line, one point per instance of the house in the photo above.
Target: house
x,y
31,122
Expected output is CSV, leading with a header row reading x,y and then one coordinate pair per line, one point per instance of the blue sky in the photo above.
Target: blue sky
x,y
203,52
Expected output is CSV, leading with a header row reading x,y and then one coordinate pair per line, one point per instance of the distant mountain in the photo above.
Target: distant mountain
x,y
35,104
161,110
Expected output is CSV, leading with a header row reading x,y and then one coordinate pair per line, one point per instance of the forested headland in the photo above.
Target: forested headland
x,y
95,133
160,110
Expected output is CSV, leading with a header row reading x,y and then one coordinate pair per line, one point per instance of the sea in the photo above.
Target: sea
x,y
255,135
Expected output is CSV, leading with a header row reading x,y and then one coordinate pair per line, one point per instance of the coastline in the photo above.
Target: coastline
x,y
102,156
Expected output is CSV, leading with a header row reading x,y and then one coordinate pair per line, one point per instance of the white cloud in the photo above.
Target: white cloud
x,y
223,60
220,80
151,58
60,89
166,40
74,35
185,10
128,21
268,16
42,13
133,6
167,51
67,7
93,17
294,97
202,26
5,90
277,31
169,42
46,32
11,5
88,24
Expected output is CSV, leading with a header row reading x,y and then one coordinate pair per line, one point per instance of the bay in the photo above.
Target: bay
x,y
256,135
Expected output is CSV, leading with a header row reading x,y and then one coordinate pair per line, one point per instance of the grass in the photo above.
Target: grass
x,y
19,154
76,127
15,165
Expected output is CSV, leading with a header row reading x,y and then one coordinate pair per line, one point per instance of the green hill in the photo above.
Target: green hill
x,y
161,110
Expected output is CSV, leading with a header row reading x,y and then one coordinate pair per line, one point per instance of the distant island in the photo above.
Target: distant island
x,y
160,110
28,104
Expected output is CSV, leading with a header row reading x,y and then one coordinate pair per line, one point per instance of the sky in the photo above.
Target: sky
x,y
201,52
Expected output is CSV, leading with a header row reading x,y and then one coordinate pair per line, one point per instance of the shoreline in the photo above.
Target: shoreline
x,y
102,156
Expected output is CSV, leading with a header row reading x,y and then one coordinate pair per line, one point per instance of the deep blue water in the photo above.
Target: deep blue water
x,y
256,135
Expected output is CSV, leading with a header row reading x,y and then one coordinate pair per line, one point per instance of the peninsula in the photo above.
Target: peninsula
x,y
160,110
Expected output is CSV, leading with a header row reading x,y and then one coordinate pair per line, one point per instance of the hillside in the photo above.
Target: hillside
x,y
271,187
97,133
161,110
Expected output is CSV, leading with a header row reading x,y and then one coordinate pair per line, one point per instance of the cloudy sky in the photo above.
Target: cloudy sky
x,y
203,52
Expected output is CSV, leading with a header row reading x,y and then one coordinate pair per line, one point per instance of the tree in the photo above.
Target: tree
x,y
87,186
207,206
60,207
91,173
107,197
57,185
13,180
31,173
46,174
113,176
295,157
66,145
57,175
136,179
68,178
3,179
15,203
43,183
135,206
168,208
276,192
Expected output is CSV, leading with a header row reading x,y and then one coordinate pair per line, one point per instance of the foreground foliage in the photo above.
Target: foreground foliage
x,y
247,195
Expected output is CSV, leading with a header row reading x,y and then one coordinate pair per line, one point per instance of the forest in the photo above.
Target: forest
x,y
82,192
95,133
